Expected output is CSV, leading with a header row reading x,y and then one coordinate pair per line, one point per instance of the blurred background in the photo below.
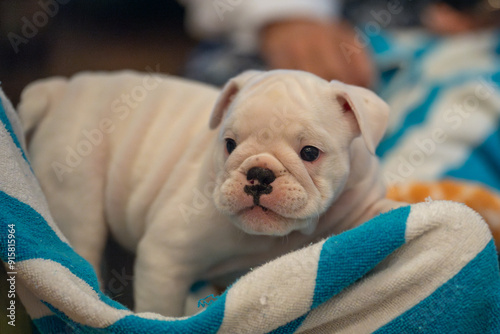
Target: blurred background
x,y
90,35
83,35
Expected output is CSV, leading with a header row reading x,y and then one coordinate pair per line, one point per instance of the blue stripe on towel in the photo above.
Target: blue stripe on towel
x,y
465,294
482,165
53,324
415,117
206,322
357,251
290,327
50,324
36,240
380,43
396,57
8,126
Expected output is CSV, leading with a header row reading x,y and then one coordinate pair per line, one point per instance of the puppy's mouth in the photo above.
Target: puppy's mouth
x,y
261,214
256,207
259,206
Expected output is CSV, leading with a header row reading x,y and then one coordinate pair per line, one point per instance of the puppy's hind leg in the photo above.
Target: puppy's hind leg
x,y
85,228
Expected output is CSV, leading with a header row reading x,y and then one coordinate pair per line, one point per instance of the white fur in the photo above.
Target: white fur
x,y
164,185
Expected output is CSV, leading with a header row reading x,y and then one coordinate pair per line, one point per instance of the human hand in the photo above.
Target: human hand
x,y
315,47
444,19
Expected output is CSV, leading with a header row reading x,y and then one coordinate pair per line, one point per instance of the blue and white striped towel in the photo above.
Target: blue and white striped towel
x,y
425,268
444,94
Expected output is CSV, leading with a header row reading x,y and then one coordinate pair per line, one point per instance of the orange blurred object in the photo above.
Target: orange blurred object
x,y
484,201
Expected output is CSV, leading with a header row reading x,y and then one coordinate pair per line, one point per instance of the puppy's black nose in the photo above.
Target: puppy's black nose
x,y
264,175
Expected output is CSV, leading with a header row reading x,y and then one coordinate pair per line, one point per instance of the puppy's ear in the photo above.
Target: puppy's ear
x,y
227,95
370,111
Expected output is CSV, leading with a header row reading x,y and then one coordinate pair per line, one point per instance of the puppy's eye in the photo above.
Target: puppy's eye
x,y
309,153
230,145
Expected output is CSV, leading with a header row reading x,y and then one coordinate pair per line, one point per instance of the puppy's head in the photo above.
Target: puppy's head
x,y
284,147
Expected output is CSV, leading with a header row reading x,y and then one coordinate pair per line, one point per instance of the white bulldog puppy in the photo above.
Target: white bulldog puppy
x,y
291,161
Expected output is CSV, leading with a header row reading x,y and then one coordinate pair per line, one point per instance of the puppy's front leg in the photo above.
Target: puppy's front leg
x,y
163,276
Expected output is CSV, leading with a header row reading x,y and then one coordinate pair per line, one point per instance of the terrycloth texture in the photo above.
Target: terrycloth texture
x,y
429,267
482,200
444,94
